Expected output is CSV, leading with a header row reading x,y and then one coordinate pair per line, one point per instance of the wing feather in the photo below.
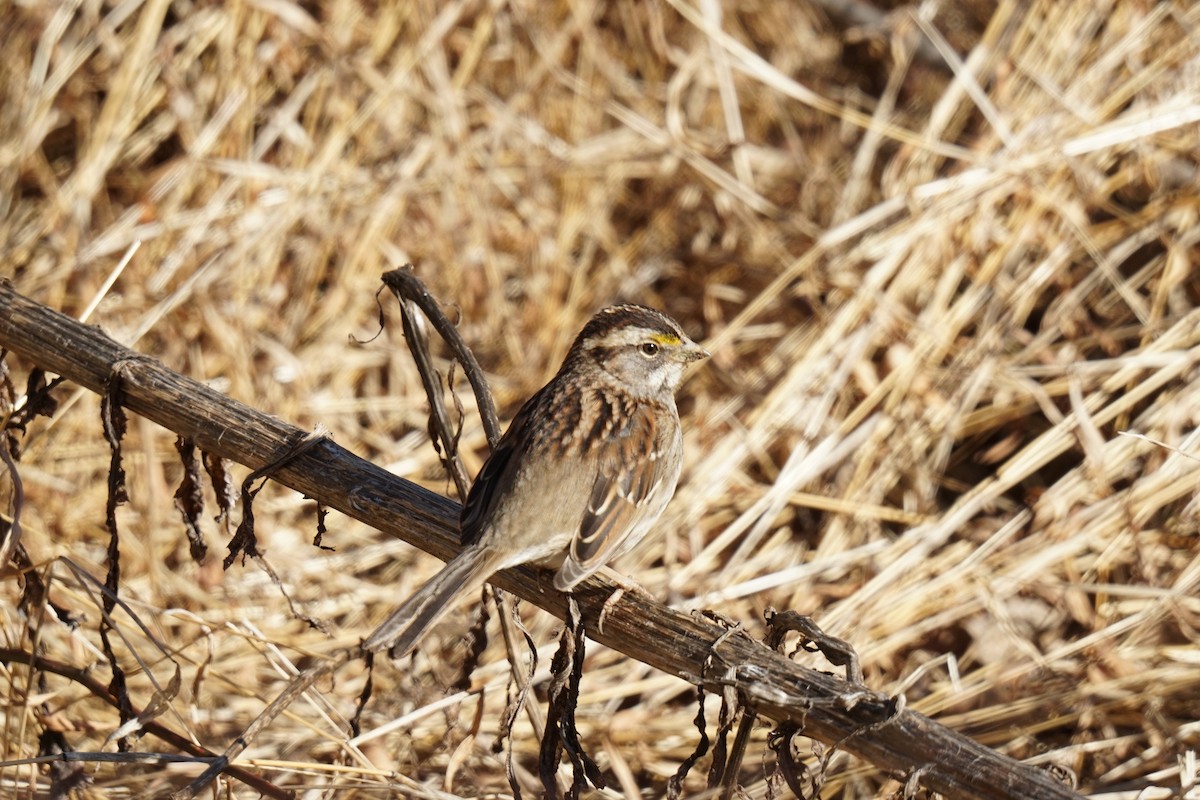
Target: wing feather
x,y
627,478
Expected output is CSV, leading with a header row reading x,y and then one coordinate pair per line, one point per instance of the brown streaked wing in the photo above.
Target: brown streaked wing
x,y
628,471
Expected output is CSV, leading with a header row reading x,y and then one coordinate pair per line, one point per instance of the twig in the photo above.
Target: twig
x,y
405,284
443,434
178,741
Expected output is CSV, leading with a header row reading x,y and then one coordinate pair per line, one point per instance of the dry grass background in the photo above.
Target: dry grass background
x,y
938,282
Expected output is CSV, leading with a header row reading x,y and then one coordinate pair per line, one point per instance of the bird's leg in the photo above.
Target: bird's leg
x,y
624,584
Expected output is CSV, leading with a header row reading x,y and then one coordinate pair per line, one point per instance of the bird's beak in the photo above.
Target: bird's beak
x,y
692,352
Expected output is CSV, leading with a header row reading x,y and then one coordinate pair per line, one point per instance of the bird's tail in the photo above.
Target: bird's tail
x,y
463,574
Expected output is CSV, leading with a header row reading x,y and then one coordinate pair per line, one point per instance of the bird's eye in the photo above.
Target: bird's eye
x,y
649,349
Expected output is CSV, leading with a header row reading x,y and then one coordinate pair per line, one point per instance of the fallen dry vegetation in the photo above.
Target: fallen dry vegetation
x,y
945,266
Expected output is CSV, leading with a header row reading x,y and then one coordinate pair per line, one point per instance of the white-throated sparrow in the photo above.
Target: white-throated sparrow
x,y
586,467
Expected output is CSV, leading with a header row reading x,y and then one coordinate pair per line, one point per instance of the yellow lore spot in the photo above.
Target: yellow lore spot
x,y
666,338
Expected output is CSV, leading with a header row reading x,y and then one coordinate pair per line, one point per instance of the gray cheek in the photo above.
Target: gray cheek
x,y
673,374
